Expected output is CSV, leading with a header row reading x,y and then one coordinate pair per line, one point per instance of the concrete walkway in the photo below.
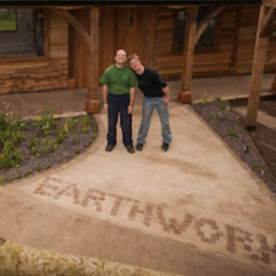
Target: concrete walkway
x,y
194,210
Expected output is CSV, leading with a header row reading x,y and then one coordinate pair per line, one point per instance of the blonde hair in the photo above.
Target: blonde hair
x,y
132,56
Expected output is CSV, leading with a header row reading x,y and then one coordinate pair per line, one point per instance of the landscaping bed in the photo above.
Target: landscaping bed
x,y
254,147
33,145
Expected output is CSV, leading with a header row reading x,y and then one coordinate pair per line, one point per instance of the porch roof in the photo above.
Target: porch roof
x,y
120,2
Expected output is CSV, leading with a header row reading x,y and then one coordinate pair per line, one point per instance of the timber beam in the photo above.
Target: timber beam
x,y
257,72
74,23
206,21
184,94
92,42
269,24
273,87
269,3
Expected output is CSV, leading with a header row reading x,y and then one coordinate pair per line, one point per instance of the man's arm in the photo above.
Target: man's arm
x,y
105,93
131,100
166,90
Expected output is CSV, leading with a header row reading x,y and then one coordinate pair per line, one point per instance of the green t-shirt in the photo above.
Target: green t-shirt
x,y
119,81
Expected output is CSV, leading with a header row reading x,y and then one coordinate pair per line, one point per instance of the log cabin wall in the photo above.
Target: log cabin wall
x,y
236,31
78,52
122,27
39,73
246,41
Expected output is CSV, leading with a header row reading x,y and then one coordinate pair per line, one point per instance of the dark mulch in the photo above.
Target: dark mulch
x,y
255,147
76,142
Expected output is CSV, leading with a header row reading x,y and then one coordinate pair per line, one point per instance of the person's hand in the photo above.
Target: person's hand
x,y
129,109
165,100
105,106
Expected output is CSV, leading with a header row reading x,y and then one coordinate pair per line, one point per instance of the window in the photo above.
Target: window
x,y
207,40
179,31
8,20
22,33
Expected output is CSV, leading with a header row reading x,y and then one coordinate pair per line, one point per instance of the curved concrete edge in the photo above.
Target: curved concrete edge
x,y
17,259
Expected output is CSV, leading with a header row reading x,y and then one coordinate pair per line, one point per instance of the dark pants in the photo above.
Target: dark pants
x,y
119,104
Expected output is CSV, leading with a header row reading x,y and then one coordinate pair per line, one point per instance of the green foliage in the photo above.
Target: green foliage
x,y
232,133
71,123
85,124
220,103
28,172
205,98
74,142
13,132
10,156
45,120
213,115
60,136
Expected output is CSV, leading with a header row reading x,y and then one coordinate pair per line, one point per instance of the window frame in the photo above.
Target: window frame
x,y
214,48
46,44
12,31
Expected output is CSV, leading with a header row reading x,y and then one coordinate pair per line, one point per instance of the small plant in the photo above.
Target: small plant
x,y
9,179
213,115
59,160
18,176
93,136
77,151
10,156
232,133
45,120
85,145
71,123
60,136
85,124
258,168
28,172
66,129
69,157
48,166
37,168
204,98
74,142
2,180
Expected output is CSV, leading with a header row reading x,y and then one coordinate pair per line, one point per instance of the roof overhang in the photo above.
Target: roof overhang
x,y
122,2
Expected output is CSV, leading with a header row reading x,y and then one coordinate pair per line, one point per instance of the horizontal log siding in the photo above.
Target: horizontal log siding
x,y
216,63
247,38
226,60
38,75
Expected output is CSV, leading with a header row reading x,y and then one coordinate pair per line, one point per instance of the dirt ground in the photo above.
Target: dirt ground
x,y
255,147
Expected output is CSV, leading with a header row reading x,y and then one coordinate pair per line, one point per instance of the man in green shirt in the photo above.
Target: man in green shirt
x,y
119,83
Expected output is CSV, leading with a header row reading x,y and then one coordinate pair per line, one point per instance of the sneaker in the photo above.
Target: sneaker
x,y
130,149
139,146
109,147
165,147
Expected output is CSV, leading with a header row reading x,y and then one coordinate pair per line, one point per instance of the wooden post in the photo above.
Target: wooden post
x,y
92,103
184,94
273,88
257,72
150,36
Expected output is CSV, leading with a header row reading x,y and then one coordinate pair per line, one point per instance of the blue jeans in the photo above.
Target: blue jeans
x,y
119,104
163,112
